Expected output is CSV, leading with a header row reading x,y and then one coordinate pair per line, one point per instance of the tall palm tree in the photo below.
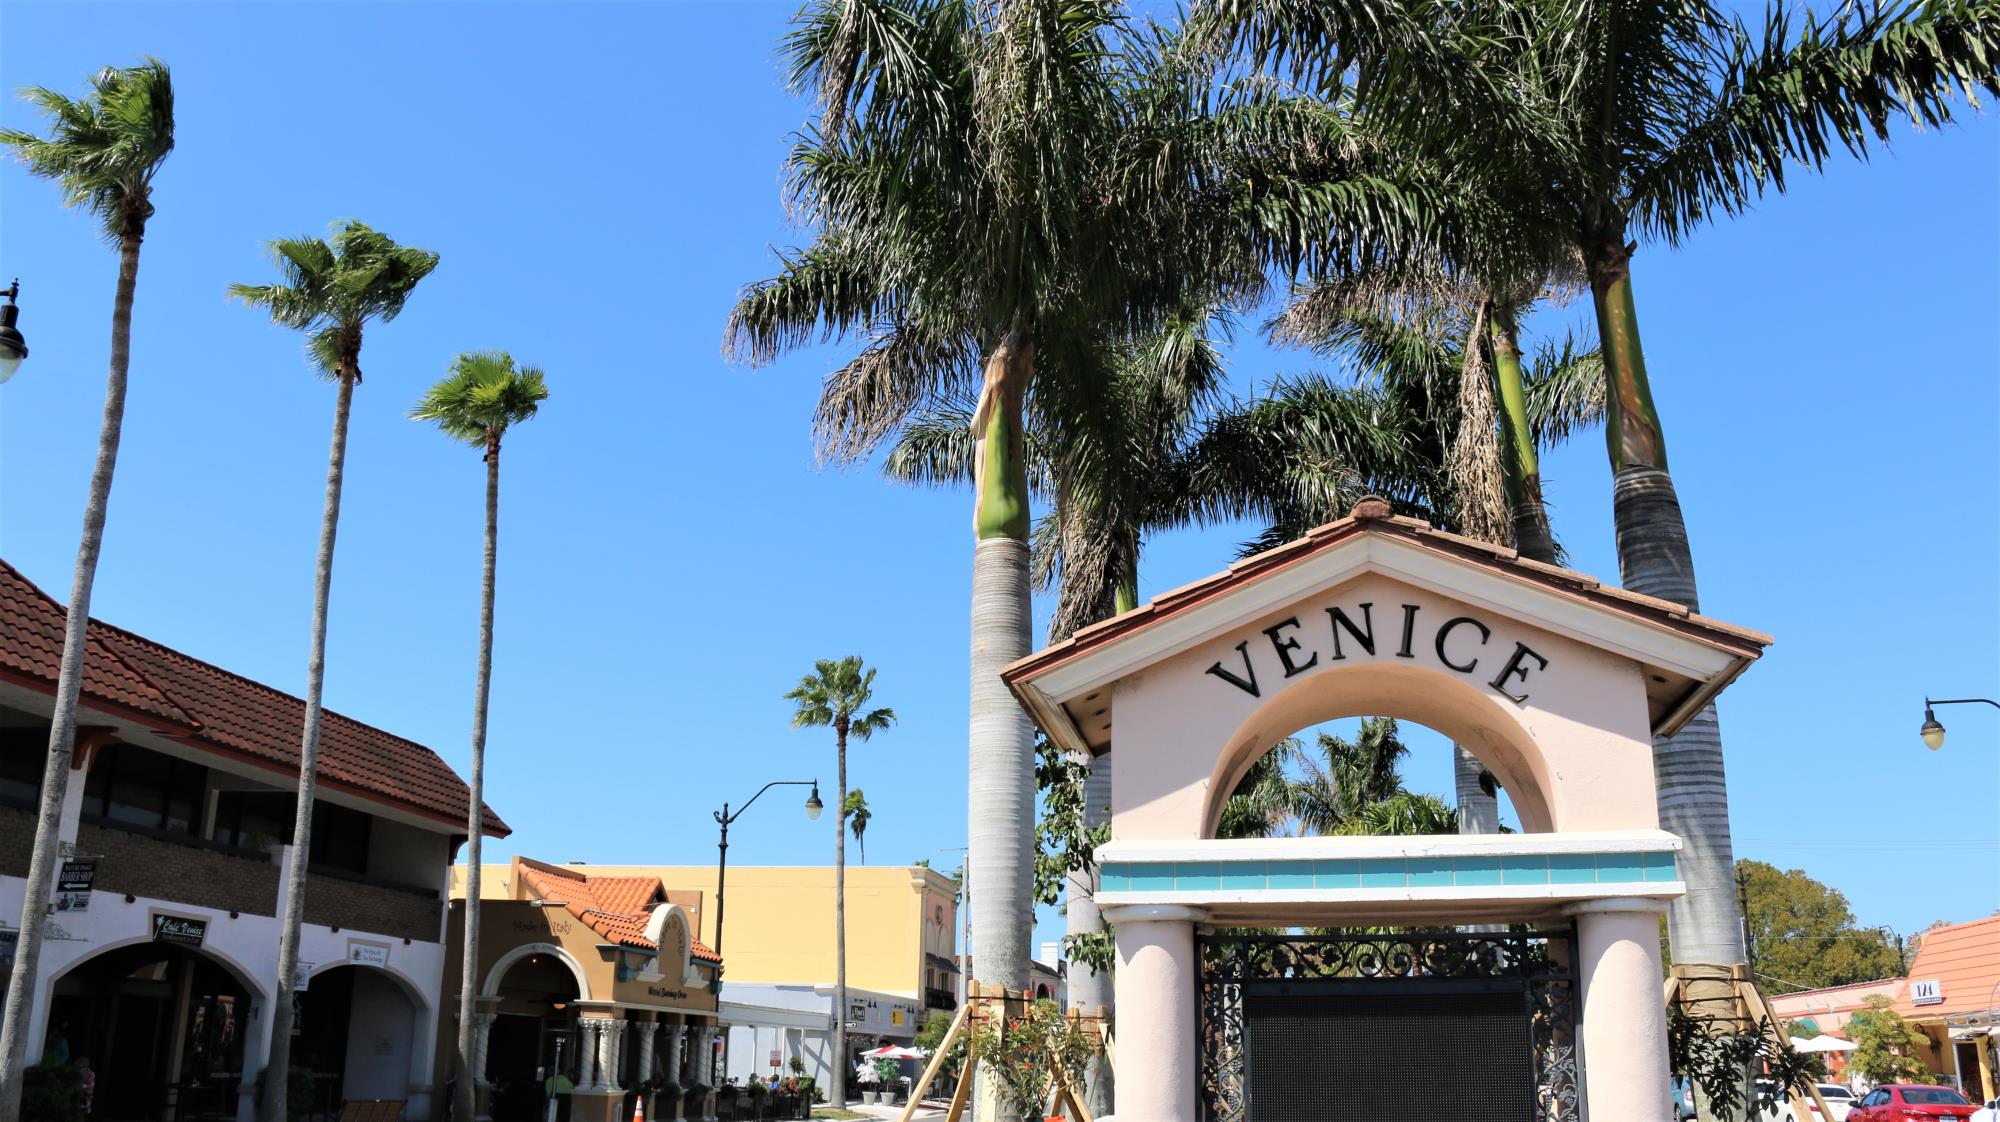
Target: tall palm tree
x,y
855,809
330,291
482,397
1009,185
836,696
104,149
1643,120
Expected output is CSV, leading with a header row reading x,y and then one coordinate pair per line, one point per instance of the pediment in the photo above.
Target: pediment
x,y
1685,659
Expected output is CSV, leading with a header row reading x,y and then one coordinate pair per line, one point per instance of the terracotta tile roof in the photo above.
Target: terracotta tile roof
x,y
1373,516
31,642
209,707
617,908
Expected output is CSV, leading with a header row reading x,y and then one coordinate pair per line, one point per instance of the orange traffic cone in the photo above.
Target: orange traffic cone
x,y
639,1111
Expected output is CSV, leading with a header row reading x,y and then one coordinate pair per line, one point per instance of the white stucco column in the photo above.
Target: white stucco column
x,y
646,1029
1154,993
614,1059
482,1031
673,1064
588,1039
1624,1019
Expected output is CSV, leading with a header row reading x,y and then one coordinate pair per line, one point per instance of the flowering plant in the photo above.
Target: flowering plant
x,y
1022,1055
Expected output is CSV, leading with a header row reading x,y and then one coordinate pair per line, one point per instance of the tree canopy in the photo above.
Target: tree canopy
x,y
1804,933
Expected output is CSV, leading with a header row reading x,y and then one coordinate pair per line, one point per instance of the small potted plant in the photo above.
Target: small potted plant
x,y
754,1092
889,1074
695,1101
809,1094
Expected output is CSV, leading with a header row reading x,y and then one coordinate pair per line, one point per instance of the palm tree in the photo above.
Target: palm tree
x,y
1642,121
482,397
1004,192
836,696
855,809
104,148
331,291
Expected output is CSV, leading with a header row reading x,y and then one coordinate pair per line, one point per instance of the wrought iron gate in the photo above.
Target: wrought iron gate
x,y
1488,1015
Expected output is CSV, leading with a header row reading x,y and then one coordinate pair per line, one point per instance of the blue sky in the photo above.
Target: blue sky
x,y
600,180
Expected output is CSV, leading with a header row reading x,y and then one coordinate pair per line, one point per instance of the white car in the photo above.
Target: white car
x,y
1839,1100
1988,1113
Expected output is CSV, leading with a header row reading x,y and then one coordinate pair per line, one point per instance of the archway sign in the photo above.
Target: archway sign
x,y
1557,683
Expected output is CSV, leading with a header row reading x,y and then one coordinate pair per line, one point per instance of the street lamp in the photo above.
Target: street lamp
x,y
723,818
13,348
1932,732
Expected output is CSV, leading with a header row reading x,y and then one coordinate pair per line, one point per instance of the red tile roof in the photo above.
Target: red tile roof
x,y
617,908
208,707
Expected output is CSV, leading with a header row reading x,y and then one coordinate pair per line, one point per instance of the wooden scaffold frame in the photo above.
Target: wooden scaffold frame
x,y
986,1003
1746,1009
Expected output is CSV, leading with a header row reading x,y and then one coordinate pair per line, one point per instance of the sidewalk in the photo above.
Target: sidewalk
x,y
930,1111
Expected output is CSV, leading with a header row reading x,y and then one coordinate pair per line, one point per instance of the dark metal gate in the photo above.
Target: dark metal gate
x,y
1388,1026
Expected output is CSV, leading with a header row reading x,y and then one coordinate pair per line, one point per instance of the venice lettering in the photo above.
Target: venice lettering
x,y
1459,641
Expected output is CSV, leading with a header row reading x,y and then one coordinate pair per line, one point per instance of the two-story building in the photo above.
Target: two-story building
x,y
160,957
778,989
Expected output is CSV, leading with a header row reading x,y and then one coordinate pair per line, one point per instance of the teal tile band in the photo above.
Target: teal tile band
x,y
1265,875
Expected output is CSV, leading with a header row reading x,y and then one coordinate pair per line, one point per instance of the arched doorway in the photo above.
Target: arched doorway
x,y
533,999
162,1026
358,1029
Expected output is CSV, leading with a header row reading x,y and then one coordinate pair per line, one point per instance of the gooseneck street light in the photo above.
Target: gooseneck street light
x,y
1932,732
13,348
723,818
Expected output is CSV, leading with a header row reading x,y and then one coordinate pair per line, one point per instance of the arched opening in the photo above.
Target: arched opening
x,y
162,1025
359,1029
1413,694
534,999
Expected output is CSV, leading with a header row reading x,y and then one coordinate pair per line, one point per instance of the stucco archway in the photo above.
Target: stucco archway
x,y
491,987
1487,729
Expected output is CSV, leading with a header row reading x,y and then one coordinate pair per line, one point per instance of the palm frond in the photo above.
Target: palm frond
x,y
106,147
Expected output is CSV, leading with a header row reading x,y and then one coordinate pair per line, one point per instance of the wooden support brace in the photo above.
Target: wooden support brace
x,y
937,1060
963,1094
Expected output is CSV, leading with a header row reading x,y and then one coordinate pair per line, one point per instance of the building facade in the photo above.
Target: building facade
x,y
596,980
1951,995
778,990
160,957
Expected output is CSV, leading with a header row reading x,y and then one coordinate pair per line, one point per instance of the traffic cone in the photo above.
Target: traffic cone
x,y
639,1110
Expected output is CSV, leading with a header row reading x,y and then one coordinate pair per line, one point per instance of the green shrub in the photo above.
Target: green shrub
x,y
52,1092
298,1093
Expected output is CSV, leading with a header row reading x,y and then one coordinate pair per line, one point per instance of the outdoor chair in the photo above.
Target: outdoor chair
x,y
371,1110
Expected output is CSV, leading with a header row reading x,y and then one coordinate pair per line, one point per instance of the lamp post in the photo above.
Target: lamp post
x,y
13,348
1932,732
723,818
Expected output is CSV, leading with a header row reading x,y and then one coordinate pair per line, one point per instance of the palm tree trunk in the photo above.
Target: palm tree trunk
x,y
1474,462
1521,469
1705,927
839,1099
1478,812
277,1068
69,684
1001,752
464,1091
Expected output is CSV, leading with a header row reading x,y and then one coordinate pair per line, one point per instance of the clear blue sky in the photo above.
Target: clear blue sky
x,y
600,180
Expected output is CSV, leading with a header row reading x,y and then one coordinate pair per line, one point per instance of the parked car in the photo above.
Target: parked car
x,y
1839,1100
1988,1113
1910,1102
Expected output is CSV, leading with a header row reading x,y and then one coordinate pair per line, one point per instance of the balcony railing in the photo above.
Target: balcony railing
x,y
940,999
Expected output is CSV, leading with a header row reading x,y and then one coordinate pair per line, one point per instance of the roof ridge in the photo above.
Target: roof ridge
x,y
62,609
124,634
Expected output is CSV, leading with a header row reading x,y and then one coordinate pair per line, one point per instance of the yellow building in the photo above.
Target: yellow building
x,y
778,942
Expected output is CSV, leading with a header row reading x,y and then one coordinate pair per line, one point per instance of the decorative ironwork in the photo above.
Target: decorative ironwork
x,y
1538,962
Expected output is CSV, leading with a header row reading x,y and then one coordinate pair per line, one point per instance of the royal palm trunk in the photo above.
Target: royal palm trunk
x,y
840,919
1000,752
1705,926
1478,812
69,682
276,1070
465,1091
1521,471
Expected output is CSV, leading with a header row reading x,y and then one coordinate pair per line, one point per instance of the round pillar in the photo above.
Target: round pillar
x,y
1624,1022
1155,996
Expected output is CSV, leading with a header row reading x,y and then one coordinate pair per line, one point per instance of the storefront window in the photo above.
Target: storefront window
x,y
253,819
141,788
22,753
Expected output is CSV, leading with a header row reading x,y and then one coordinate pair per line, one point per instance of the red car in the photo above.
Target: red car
x,y
1910,1102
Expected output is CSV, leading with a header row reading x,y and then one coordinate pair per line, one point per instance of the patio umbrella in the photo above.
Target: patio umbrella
x,y
892,1052
1823,1043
